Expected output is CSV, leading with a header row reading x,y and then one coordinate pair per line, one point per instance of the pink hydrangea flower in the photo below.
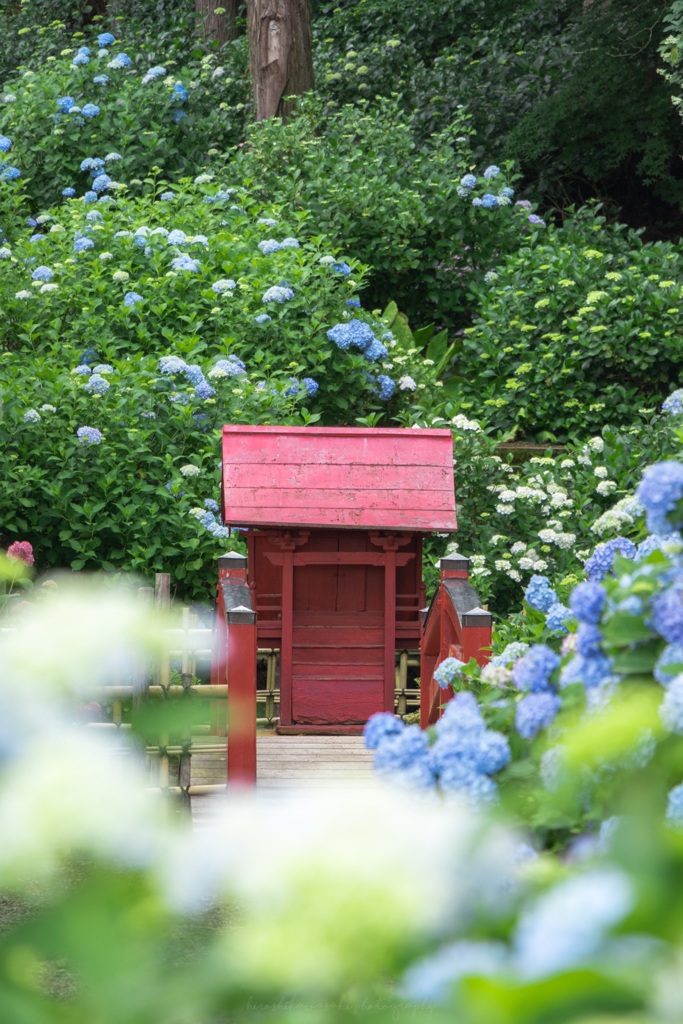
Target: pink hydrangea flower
x,y
21,550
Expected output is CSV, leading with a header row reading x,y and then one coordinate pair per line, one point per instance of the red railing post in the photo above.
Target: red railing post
x,y
240,621
454,627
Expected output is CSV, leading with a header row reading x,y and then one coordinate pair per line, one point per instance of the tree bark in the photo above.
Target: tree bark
x,y
280,58
214,26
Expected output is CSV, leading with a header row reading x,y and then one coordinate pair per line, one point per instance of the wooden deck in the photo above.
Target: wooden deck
x,y
289,762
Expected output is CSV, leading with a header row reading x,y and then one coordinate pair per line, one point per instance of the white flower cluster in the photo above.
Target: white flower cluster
x,y
624,513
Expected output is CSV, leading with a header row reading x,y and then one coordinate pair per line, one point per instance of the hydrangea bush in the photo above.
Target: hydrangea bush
x,y
589,309
171,110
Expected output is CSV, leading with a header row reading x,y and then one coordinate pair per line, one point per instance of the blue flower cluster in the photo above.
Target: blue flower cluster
x,y
539,594
447,672
669,664
661,492
534,669
674,403
278,293
7,171
463,757
89,435
601,561
360,335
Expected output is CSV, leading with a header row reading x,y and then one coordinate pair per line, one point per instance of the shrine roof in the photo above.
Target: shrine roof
x,y
339,477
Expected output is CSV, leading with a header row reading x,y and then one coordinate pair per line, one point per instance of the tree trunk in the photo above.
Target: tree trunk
x,y
280,57
214,26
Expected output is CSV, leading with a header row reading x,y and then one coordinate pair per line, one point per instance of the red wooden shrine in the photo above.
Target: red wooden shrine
x,y
334,522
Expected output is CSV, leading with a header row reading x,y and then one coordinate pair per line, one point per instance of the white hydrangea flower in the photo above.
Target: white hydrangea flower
x,y
106,255
567,464
120,275
540,565
518,547
526,563
23,294
189,470
606,487
583,459
596,444
505,510
514,575
327,260
502,564
203,179
507,495
601,472
406,384
461,422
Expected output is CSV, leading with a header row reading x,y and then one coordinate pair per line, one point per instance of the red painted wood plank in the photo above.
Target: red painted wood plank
x,y
354,703
373,654
332,675
286,641
332,558
350,476
426,499
381,519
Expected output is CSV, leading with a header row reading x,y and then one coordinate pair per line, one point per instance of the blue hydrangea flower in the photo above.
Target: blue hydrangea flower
x,y
103,368
80,59
167,197
386,386
376,350
539,594
669,664
211,504
507,192
42,274
9,173
674,403
172,364
489,202
5,144
184,262
533,670
204,390
674,807
278,293
666,542
82,370
121,60
89,435
131,298
105,39
90,196
262,318
268,246
404,758
92,163
592,672
101,182
660,492
158,71
68,193
268,221
177,116
492,172
671,708
311,385
97,385
31,416
194,373
354,303
289,243
90,110
468,181
587,601
511,653
341,268
534,712
355,332
180,93
82,244
667,613
536,220
36,238
447,672
432,980
379,726
65,103
567,925
556,618
462,715
588,640
601,561
230,367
